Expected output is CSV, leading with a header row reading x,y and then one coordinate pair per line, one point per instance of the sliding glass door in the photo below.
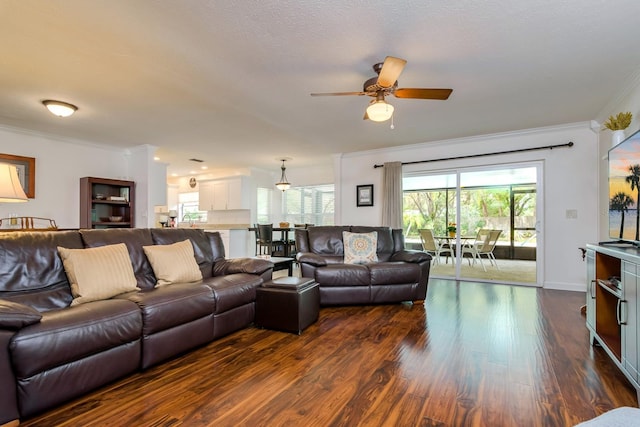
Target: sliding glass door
x,y
493,212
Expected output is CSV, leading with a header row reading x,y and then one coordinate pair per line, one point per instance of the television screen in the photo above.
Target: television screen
x,y
624,189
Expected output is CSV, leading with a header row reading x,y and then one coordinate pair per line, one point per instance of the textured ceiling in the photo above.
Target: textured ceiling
x,y
229,81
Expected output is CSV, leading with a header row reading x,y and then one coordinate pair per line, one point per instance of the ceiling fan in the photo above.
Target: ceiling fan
x,y
386,83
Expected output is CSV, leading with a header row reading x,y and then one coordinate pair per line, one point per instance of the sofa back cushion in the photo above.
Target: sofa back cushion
x,y
385,247
31,272
134,239
327,240
201,245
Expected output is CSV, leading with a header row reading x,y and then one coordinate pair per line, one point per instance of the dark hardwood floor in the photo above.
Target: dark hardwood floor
x,y
473,355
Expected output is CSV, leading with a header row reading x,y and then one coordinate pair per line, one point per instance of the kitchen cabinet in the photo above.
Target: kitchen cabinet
x,y
224,194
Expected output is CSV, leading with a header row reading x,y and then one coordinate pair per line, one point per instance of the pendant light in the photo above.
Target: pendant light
x,y
284,182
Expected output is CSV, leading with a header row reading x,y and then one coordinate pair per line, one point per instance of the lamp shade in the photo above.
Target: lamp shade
x,y
379,111
10,188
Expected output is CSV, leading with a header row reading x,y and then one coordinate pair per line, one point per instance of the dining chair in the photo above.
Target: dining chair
x,y
483,244
266,244
433,246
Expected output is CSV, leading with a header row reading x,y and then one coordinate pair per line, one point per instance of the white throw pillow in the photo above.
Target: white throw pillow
x,y
173,263
98,273
360,248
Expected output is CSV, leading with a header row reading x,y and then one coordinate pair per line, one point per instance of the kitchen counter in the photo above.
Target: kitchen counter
x,y
215,226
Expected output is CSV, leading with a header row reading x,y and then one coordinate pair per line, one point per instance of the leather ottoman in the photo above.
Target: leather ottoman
x,y
287,304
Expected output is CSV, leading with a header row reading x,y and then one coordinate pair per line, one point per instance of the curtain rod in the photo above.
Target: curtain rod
x,y
548,147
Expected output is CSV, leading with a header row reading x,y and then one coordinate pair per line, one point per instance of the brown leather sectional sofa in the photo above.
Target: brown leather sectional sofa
x,y
398,275
51,351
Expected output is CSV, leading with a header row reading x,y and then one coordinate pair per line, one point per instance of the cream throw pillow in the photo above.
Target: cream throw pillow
x,y
360,248
98,273
173,263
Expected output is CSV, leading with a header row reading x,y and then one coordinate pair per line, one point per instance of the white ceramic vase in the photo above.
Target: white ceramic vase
x,y
617,137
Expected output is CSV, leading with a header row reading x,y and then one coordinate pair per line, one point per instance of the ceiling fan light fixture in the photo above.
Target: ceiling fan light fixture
x,y
59,108
283,184
379,110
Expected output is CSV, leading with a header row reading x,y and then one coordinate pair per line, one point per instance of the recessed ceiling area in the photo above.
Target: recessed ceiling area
x,y
230,82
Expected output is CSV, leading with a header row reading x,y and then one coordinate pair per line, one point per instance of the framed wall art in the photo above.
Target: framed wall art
x,y
364,195
26,167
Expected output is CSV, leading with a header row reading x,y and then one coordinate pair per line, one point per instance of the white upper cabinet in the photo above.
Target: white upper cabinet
x,y
224,194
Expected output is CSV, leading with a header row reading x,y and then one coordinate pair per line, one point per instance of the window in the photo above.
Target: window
x,y
309,205
263,212
188,208
503,198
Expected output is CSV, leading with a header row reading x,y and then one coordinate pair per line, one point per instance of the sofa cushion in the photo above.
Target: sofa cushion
x,y
15,316
135,239
360,248
98,273
173,263
391,273
327,240
343,275
233,290
169,306
31,272
73,333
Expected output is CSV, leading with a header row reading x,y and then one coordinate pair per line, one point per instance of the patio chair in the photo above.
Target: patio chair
x,y
484,244
433,246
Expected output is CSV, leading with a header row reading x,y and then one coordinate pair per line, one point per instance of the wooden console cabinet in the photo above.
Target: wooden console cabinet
x,y
613,312
106,203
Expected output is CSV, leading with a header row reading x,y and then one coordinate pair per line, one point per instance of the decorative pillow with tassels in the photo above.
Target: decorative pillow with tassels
x,y
360,248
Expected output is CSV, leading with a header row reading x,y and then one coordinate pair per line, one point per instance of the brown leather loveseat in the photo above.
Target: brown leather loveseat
x,y
52,350
397,275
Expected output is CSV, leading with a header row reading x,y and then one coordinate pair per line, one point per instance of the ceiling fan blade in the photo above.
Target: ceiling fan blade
x,y
440,94
366,115
338,93
390,71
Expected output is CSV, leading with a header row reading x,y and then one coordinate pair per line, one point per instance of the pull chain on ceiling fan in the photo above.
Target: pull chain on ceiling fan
x,y
386,83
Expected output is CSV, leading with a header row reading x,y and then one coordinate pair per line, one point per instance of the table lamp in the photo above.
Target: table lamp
x,y
10,188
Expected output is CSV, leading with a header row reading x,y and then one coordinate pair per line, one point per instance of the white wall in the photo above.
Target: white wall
x,y
59,166
570,183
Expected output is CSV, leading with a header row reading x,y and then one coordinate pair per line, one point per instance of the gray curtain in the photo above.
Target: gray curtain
x,y
392,195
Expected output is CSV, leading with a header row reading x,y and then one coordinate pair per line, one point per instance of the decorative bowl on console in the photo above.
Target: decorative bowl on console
x,y
115,218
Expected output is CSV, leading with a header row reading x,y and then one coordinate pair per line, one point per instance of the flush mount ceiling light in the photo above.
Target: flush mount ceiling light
x,y
59,108
379,110
284,182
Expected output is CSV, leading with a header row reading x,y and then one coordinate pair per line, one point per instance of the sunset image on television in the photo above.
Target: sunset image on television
x,y
624,189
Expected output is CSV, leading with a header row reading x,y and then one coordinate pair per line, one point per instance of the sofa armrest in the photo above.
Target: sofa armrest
x,y
15,316
241,265
311,258
411,256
